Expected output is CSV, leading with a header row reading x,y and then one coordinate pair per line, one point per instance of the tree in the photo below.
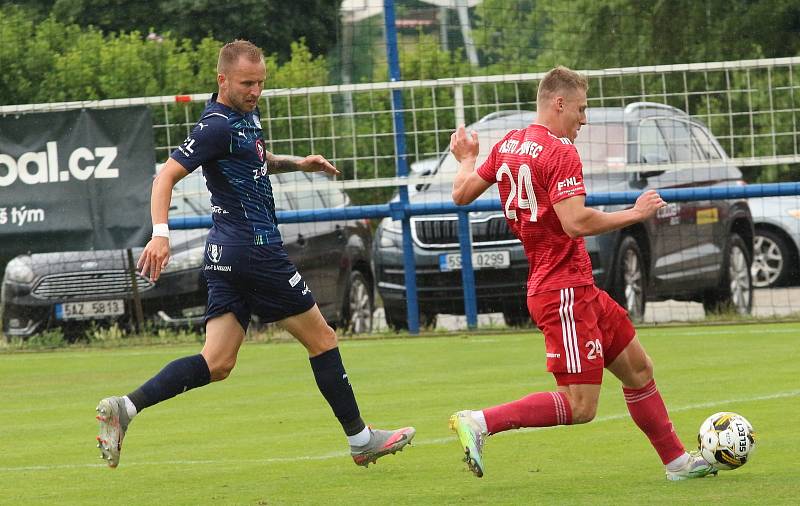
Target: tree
x,y
510,33
270,25
618,33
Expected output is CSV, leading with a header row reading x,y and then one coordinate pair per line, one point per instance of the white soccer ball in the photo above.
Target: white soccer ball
x,y
726,440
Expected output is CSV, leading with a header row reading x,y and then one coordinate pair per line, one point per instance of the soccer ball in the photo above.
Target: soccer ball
x,y
726,440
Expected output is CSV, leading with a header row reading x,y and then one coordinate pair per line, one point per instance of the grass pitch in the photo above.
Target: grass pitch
x,y
266,436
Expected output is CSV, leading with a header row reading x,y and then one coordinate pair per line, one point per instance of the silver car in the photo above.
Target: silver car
x,y
697,250
776,242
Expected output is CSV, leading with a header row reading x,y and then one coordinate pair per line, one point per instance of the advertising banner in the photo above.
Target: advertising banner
x,y
75,180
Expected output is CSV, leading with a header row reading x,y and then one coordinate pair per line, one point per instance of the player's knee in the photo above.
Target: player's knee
x,y
324,341
642,372
221,369
329,338
584,408
583,412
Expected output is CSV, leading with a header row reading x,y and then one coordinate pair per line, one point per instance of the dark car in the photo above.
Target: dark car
x,y
73,289
698,250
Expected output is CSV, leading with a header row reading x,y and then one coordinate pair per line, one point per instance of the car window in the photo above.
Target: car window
x,y
281,200
679,139
652,148
705,148
332,197
486,138
190,197
307,199
297,189
601,147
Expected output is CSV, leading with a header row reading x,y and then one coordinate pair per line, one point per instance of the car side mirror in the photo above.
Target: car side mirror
x,y
650,173
652,159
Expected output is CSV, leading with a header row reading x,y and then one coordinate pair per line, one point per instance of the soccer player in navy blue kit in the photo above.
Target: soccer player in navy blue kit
x,y
246,266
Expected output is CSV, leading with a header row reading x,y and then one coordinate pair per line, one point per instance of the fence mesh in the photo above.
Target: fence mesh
x,y
741,113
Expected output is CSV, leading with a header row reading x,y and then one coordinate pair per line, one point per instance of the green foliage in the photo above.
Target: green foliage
x,y
302,68
98,49
51,61
270,25
510,34
616,33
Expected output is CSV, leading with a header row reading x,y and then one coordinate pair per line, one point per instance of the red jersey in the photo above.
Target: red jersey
x,y
534,169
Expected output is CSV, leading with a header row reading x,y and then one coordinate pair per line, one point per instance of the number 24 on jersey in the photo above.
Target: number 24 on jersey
x,y
524,183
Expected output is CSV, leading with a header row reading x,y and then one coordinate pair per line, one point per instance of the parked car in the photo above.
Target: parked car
x,y
689,251
75,288
777,241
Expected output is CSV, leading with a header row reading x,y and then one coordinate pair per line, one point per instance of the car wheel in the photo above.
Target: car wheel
x,y
397,318
735,291
771,260
628,284
517,317
359,305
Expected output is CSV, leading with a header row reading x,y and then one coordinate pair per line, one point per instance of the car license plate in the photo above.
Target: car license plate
x,y
480,260
89,309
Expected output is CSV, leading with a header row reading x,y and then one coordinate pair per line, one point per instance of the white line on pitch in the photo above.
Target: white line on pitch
x,y
277,460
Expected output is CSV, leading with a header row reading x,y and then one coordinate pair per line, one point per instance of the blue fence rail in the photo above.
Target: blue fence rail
x,y
403,211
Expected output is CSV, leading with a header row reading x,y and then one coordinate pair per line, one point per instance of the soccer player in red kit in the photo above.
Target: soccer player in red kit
x,y
539,175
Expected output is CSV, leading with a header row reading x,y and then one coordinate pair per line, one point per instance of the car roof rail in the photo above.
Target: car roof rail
x,y
640,106
501,114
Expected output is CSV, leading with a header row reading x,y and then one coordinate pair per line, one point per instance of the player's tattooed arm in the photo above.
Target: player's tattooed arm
x,y
311,163
280,164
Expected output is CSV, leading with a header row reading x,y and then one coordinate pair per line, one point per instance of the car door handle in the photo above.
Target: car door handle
x,y
301,240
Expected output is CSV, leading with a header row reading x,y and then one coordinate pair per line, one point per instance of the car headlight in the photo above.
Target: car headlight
x,y
389,233
186,260
795,213
19,270
392,226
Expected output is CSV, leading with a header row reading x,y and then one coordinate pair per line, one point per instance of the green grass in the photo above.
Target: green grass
x,y
266,436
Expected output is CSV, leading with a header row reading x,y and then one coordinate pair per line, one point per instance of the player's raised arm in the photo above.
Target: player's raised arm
x,y
155,255
311,163
467,185
577,220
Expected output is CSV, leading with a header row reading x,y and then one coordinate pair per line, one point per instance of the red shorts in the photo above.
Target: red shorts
x,y
584,331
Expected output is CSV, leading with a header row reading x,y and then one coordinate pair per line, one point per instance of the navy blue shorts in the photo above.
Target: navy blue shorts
x,y
260,280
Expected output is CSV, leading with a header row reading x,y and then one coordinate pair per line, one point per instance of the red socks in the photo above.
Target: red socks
x,y
543,409
648,412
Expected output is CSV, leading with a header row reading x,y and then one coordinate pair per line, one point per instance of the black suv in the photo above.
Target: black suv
x,y
75,288
699,250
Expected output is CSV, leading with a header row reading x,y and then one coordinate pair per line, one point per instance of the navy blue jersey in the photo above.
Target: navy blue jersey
x,y
230,147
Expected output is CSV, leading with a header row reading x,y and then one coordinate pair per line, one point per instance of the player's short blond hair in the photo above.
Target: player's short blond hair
x,y
561,80
232,51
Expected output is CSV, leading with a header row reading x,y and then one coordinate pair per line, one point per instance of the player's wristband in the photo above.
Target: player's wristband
x,y
161,230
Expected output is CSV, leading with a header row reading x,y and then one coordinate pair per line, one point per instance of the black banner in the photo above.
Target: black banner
x,y
75,180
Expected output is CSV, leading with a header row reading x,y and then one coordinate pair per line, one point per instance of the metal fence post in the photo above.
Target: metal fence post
x,y
458,104
136,299
409,270
467,272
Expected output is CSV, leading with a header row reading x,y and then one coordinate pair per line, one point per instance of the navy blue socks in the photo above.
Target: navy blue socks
x,y
333,383
175,378
191,372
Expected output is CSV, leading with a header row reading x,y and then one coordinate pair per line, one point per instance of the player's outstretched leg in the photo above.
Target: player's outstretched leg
x,y
114,420
382,442
471,438
695,466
